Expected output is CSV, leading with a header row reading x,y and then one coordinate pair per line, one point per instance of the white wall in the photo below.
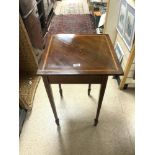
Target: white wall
x,y
112,18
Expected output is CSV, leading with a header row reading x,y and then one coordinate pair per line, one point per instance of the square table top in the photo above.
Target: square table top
x,y
71,54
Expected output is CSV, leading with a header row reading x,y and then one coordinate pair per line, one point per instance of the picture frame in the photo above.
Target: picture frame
x,y
122,17
129,29
119,52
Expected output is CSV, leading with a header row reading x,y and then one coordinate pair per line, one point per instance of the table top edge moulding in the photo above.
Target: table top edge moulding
x,y
79,54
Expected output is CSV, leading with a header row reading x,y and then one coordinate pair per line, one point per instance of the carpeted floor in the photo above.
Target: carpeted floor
x,y
72,24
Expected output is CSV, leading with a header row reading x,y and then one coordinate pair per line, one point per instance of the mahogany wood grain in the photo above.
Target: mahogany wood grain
x,y
69,54
50,96
33,27
79,59
72,79
101,95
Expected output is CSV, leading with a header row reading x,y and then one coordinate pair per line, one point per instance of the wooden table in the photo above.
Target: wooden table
x,y
78,59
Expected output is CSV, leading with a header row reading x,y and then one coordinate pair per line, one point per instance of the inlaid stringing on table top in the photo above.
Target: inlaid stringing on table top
x,y
71,44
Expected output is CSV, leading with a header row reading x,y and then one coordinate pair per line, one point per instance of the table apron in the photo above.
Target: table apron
x,y
76,79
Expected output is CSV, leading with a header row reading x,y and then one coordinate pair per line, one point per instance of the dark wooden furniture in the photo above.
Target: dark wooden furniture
x,y
37,15
31,19
80,59
48,9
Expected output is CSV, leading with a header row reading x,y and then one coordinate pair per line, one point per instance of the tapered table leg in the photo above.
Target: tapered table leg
x,y
50,97
60,90
89,89
101,95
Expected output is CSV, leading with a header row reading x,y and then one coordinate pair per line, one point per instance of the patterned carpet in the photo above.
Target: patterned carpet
x,y
72,7
72,24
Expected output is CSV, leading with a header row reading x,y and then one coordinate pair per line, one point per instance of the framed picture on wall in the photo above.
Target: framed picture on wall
x,y
119,52
122,17
129,29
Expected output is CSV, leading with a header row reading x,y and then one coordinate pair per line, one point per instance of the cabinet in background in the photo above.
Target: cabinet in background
x,y
29,12
36,15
